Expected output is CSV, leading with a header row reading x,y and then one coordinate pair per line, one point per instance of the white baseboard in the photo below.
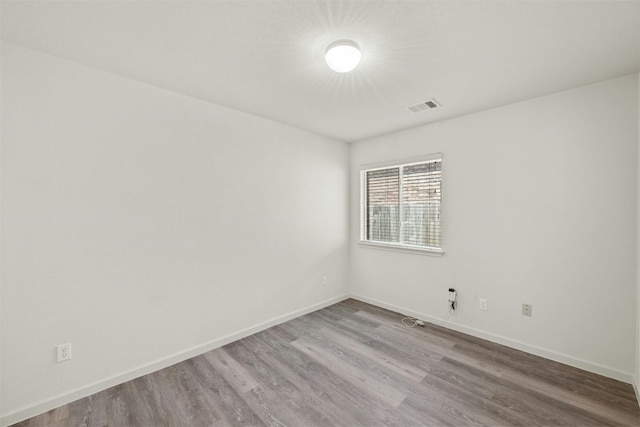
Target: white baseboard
x,y
73,395
636,387
538,351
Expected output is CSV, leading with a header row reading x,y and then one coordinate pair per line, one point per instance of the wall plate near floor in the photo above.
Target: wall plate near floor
x,y
64,352
483,304
527,310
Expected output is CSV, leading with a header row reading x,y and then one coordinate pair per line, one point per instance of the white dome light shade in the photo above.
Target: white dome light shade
x,y
343,56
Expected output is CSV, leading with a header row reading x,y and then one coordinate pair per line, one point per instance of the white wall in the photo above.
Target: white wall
x,y
144,226
539,206
637,382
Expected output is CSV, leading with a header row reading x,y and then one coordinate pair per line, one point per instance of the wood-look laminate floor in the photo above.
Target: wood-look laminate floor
x,y
353,364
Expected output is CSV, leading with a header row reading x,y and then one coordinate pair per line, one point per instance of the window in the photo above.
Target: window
x,y
402,205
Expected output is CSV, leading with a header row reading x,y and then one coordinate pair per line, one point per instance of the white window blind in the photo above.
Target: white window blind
x,y
383,211
402,205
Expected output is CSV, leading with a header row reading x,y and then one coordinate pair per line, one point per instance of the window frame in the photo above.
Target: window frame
x,y
398,246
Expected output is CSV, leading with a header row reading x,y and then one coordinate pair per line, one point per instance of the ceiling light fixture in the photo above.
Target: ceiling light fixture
x,y
343,56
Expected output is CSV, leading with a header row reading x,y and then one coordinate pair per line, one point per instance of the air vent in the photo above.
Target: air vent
x,y
426,105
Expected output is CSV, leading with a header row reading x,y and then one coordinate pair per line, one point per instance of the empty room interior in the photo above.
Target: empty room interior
x,y
320,213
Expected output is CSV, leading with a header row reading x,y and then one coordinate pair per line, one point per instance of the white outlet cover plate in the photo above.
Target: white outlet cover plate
x,y
64,352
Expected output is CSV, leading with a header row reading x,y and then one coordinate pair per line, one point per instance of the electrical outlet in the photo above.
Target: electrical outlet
x,y
64,352
325,281
527,310
483,304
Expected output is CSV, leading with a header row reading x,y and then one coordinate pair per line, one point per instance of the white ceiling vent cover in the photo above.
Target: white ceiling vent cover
x,y
426,105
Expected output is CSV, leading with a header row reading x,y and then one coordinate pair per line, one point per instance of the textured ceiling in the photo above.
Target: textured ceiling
x,y
266,57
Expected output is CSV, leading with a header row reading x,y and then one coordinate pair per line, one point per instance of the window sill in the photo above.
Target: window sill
x,y
401,248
